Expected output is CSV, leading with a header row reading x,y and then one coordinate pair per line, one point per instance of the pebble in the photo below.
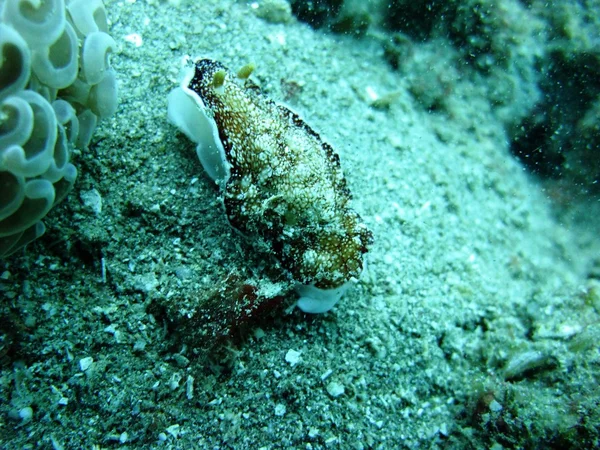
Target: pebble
x,y
335,389
85,363
292,357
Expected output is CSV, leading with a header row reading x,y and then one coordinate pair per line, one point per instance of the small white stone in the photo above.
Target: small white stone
x,y
189,387
92,200
174,381
444,429
173,430
146,282
335,389
292,357
495,406
279,410
326,375
85,363
123,437
371,94
134,39
26,414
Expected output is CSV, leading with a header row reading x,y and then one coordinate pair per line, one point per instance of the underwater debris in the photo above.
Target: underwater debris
x,y
527,363
282,186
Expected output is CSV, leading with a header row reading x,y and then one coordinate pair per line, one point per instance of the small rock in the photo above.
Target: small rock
x,y
145,283
181,361
139,345
26,414
184,273
326,375
173,430
292,357
92,200
279,410
495,406
189,387
273,11
85,363
526,363
335,389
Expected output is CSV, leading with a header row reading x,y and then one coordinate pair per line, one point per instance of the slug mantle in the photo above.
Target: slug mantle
x,y
282,186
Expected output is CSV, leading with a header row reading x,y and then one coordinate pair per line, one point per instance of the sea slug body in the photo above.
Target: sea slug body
x,y
282,185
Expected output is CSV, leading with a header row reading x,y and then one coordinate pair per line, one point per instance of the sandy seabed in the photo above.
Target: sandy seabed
x,y
475,323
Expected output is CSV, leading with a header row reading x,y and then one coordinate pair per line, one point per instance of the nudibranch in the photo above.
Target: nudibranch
x,y
282,186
